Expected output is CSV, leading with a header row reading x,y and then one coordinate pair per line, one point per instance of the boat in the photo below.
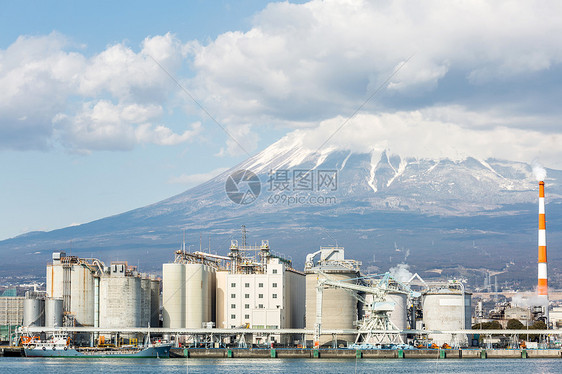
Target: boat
x,y
59,346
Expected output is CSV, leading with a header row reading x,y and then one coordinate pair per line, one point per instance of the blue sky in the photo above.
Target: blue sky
x,y
91,126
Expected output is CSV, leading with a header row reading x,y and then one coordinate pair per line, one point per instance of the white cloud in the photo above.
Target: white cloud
x,y
322,58
195,179
427,134
105,126
110,101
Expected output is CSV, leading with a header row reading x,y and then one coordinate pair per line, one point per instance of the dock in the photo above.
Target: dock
x,y
241,353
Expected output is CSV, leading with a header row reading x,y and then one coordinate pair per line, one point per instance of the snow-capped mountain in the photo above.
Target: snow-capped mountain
x,y
384,208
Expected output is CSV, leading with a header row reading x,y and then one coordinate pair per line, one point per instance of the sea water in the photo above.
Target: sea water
x,y
273,365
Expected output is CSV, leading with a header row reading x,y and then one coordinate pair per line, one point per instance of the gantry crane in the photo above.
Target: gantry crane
x,y
376,328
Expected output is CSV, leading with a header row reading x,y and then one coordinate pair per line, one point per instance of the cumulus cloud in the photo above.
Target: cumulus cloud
x,y
307,66
110,101
427,134
313,61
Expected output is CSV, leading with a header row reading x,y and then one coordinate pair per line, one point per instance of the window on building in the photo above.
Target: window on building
x,y
246,306
233,296
260,285
274,296
233,306
246,285
260,296
233,316
260,306
247,296
274,271
246,316
232,284
274,285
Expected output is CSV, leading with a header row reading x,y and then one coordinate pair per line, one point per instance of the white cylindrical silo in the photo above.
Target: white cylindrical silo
x,y
53,312
339,307
399,316
196,290
33,312
173,295
447,310
82,295
120,301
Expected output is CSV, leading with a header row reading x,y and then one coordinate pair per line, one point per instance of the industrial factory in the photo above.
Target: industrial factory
x,y
252,296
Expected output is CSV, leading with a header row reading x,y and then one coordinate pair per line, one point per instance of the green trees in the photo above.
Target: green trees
x,y
494,325
515,324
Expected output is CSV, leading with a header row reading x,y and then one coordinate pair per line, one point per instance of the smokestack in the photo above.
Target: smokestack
x,y
542,288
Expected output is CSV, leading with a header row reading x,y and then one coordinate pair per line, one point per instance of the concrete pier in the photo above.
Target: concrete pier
x,y
365,354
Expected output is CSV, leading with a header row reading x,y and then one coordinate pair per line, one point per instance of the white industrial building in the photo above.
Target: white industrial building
x,y
251,287
96,295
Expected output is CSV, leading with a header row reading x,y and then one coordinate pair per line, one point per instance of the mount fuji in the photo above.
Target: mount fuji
x,y
443,217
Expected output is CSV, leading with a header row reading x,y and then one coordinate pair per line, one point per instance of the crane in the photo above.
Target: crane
x,y
376,328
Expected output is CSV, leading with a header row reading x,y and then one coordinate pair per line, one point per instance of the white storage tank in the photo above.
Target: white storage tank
x,y
53,312
173,295
33,312
196,295
82,295
339,307
120,299
447,309
399,316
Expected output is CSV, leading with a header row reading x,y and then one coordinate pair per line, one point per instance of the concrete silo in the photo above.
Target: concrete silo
x,y
447,308
33,311
120,298
53,312
339,306
173,295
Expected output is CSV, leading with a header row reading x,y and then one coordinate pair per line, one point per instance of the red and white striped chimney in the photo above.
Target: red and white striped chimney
x,y
542,288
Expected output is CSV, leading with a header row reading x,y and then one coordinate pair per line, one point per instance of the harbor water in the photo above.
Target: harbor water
x,y
233,366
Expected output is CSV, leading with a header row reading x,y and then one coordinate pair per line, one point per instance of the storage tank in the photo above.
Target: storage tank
x,y
173,295
196,295
399,316
220,305
339,307
82,295
120,300
154,302
145,301
33,312
447,309
53,312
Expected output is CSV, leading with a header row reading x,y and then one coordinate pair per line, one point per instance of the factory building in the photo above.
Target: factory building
x,y
340,309
93,294
11,315
261,290
251,287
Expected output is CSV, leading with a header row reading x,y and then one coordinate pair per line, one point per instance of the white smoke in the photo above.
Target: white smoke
x,y
401,273
539,171
527,301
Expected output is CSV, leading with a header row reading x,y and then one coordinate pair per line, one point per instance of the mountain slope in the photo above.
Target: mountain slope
x,y
384,208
